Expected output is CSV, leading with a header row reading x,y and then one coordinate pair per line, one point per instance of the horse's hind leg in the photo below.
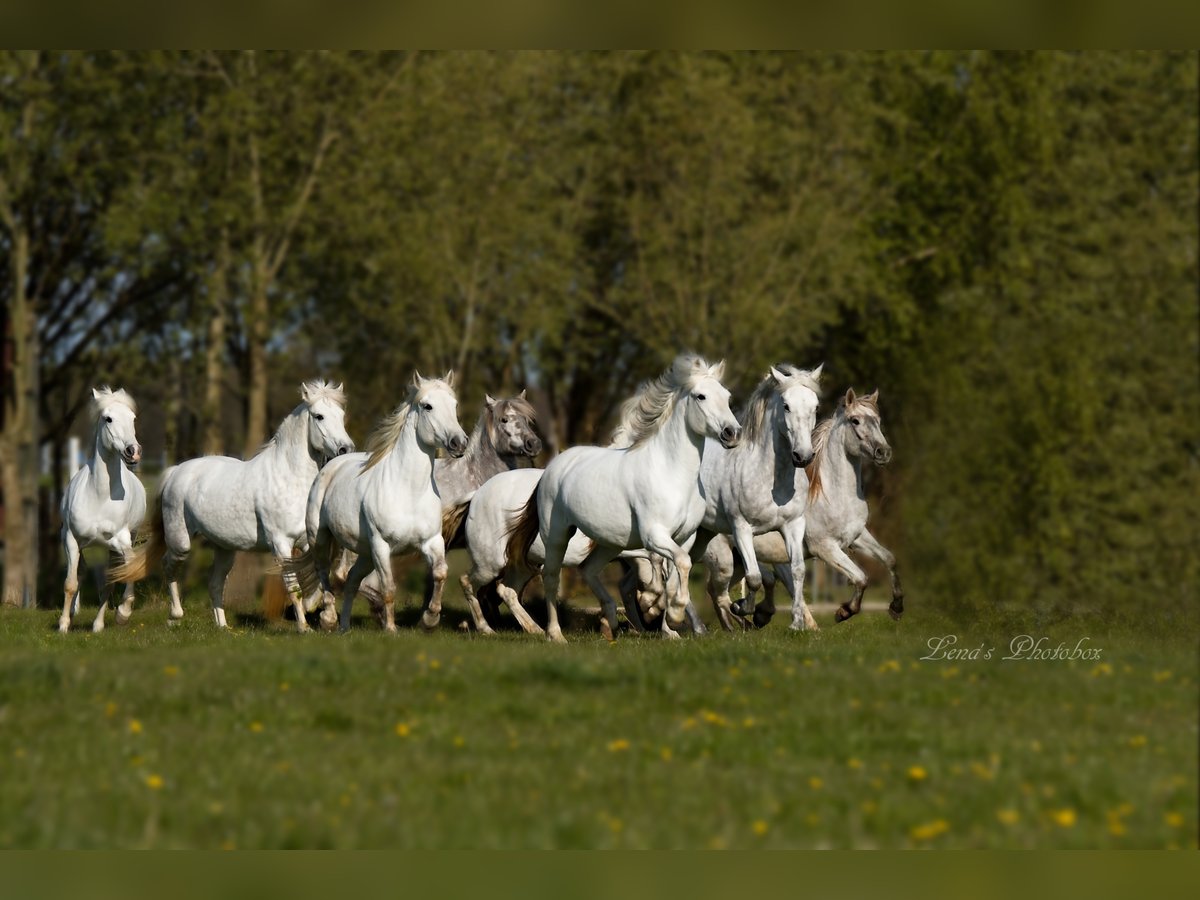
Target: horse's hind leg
x,y
179,543
509,589
125,611
472,597
283,552
836,557
591,568
718,560
222,564
358,571
71,585
869,544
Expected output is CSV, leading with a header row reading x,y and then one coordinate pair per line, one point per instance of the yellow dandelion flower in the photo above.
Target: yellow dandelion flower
x,y
1008,816
19,753
403,729
749,722
815,783
713,718
1101,669
228,845
950,672
135,727
110,709
136,761
615,825
460,741
809,663
890,665
734,672
1124,809
689,723
979,770
1174,819
216,808
717,843
435,664
854,763
256,727
929,830
1063,818
855,703
1164,675
170,671
1138,740
154,782
917,773
812,820
760,827
284,686
869,807
666,754
618,745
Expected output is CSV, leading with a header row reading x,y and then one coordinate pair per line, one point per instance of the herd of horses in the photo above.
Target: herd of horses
x,y
682,480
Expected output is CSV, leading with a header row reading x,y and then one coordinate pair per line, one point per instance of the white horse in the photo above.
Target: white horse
x,y
644,496
385,501
256,504
104,503
837,513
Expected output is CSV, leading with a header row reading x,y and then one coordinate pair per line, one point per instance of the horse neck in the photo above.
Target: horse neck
x,y
290,447
480,461
676,447
106,471
769,451
408,462
841,474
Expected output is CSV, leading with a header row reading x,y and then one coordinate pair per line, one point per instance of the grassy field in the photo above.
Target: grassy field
x,y
177,736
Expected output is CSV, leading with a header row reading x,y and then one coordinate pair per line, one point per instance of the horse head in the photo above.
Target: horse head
x,y
510,426
115,417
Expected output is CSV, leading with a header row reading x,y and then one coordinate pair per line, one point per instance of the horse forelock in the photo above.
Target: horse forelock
x,y
643,414
755,416
320,389
106,397
515,405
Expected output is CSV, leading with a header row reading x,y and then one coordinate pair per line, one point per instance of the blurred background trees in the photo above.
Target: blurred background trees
x,y
1005,244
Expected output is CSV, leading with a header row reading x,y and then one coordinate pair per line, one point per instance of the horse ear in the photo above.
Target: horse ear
x,y
521,396
779,377
417,380
95,394
449,379
848,400
873,397
489,400
304,394
816,373
717,371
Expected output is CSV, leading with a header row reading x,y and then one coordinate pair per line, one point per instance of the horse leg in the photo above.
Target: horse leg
x,y
124,612
434,551
106,591
358,571
869,544
381,557
556,549
591,568
793,539
222,563
71,585
628,588
321,550
179,543
829,551
718,561
743,539
660,541
764,611
509,588
472,598
283,545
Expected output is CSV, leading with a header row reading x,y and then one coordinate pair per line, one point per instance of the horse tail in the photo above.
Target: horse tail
x,y
149,552
452,522
523,532
302,569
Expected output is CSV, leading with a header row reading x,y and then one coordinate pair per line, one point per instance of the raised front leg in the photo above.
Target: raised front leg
x,y
71,584
793,539
743,539
867,543
834,555
434,551
657,538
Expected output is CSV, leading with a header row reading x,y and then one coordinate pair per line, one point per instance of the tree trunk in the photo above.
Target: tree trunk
x,y
20,439
258,332
214,354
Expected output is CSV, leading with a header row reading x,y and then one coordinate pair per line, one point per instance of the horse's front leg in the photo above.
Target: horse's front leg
x,y
381,554
867,543
793,539
71,584
743,539
124,612
659,539
718,563
832,553
283,546
434,551
592,567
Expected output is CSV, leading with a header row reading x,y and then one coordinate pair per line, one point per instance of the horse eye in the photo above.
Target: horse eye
x,y
428,407
318,417
786,408
854,421
701,397
108,419
504,421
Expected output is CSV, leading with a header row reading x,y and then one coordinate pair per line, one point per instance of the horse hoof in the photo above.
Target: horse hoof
x,y
606,630
895,613
329,625
64,625
97,626
761,619
123,619
302,627
555,637
429,621
842,614
742,608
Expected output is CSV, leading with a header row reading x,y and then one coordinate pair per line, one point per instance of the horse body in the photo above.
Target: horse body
x,y
255,504
385,501
761,485
837,512
644,496
104,503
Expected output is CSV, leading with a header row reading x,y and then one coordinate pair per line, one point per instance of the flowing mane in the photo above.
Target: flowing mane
x,y
310,393
643,414
755,415
820,438
387,432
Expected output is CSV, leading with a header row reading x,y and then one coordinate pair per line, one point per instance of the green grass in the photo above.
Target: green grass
x,y
182,737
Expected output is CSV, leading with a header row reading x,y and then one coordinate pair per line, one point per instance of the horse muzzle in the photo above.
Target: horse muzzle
x,y
882,456
456,446
800,460
532,446
132,454
730,436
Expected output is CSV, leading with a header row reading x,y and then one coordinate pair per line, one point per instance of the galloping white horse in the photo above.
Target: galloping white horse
x,y
837,513
256,504
384,501
104,503
646,495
